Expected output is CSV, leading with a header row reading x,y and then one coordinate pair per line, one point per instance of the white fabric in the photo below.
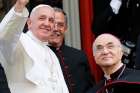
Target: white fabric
x,y
46,70
27,72
10,29
115,5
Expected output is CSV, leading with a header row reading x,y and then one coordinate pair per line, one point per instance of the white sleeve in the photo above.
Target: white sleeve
x,y
10,29
115,5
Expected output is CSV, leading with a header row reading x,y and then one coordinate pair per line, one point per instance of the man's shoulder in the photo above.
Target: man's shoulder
x,y
131,75
72,49
80,54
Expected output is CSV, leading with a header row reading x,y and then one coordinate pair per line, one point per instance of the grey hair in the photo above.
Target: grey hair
x,y
94,43
56,9
39,6
93,48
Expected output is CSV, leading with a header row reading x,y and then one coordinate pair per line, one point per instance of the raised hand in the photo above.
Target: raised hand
x,y
20,5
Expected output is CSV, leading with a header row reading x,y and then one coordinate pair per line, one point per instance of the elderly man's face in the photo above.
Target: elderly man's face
x,y
107,50
41,23
59,30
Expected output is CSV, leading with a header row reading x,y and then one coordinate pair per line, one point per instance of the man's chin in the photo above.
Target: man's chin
x,y
106,63
53,43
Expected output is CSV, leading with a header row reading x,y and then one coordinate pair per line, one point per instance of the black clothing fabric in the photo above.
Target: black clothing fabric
x,y
137,63
127,78
3,81
116,74
125,25
121,87
75,69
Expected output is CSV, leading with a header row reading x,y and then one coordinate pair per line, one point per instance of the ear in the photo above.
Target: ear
x,y
29,23
66,28
122,50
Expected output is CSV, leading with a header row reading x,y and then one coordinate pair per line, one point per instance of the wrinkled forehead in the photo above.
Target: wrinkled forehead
x,y
105,39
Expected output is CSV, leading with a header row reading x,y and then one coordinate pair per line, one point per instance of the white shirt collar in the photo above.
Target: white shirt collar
x,y
30,34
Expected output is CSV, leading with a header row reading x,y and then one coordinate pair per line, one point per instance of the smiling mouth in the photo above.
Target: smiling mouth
x,y
104,58
56,33
47,30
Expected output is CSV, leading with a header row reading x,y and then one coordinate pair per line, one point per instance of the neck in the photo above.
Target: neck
x,y
56,45
110,70
35,38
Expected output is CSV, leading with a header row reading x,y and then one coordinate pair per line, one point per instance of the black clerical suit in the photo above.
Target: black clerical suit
x,y
3,82
75,69
124,79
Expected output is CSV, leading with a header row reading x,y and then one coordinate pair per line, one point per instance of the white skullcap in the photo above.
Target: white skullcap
x,y
39,6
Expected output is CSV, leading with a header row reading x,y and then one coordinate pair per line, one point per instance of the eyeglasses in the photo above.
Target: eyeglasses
x,y
110,47
59,24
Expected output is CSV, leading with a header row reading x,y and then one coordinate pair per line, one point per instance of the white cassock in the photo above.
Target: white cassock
x,y
30,65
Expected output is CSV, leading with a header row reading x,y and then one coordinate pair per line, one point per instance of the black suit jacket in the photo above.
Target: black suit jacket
x,y
127,83
3,82
75,69
121,86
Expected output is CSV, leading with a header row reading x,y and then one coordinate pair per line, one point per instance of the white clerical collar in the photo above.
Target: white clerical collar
x,y
119,67
30,34
107,76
